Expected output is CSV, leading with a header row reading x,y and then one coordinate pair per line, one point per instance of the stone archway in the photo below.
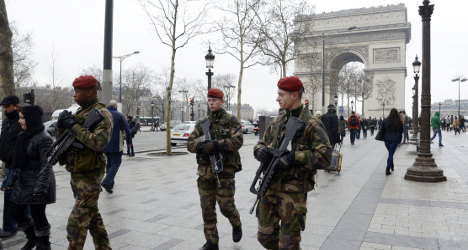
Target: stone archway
x,y
376,37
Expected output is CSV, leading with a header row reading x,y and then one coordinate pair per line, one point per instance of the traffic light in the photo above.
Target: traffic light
x,y
29,97
191,101
138,111
307,104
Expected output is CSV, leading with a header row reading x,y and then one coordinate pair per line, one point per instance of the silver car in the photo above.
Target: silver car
x,y
247,127
180,133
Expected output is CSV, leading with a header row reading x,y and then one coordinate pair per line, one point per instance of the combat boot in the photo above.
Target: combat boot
x,y
209,246
31,243
42,235
236,233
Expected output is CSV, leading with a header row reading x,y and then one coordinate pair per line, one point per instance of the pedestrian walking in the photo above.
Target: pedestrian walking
x,y
87,165
227,139
393,132
353,122
405,120
281,212
456,125
372,125
330,121
10,130
114,148
462,123
318,115
364,126
134,129
342,128
358,130
34,181
435,123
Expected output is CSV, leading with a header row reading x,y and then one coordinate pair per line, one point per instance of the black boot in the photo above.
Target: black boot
x,y
42,235
209,246
31,243
387,171
392,167
236,234
28,228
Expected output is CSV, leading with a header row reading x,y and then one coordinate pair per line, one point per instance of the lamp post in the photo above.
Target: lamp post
x,y
184,93
352,106
383,110
121,58
416,69
152,117
439,106
336,100
459,79
424,168
209,59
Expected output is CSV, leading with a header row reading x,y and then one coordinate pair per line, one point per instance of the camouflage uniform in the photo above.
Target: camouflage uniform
x,y
228,131
286,197
87,167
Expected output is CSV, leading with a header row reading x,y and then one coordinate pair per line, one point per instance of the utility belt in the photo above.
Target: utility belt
x,y
83,160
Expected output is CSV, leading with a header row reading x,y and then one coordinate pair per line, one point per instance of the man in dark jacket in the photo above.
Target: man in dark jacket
x,y
114,148
330,121
10,131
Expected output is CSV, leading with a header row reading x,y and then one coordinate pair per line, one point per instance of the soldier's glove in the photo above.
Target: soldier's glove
x,y
208,147
286,161
65,116
263,154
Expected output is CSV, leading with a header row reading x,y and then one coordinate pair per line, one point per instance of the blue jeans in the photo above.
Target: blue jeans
x,y
352,135
405,134
437,132
130,150
114,159
9,225
391,147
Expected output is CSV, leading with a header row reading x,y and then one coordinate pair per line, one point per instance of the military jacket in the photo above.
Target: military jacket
x,y
91,157
311,148
227,130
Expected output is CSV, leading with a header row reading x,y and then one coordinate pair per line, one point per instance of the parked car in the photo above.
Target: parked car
x,y
174,123
247,127
51,127
180,133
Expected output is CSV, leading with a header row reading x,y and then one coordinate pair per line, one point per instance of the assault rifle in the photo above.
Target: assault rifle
x,y
67,139
266,171
216,160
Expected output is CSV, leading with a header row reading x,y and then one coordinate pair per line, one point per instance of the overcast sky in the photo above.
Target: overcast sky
x,y
74,30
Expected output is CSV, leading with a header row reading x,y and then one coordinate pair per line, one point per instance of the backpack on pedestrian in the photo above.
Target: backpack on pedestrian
x,y
352,121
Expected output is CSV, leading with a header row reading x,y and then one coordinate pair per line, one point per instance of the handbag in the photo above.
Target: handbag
x,y
380,134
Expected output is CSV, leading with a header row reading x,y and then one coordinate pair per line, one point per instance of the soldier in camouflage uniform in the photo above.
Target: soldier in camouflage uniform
x,y
227,138
285,199
87,165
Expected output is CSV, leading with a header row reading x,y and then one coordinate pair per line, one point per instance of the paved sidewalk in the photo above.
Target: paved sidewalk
x,y
155,203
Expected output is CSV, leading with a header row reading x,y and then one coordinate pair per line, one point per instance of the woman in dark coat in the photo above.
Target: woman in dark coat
x,y
31,149
393,133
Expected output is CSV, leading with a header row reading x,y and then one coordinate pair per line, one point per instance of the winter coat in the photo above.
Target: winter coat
x,y
330,121
435,120
342,127
28,182
355,126
10,130
120,124
391,133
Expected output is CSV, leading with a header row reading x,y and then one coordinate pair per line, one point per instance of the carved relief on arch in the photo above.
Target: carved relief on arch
x,y
386,91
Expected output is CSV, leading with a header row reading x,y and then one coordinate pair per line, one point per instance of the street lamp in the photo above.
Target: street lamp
x,y
152,117
336,100
459,79
121,58
439,106
416,69
209,59
424,168
383,110
184,93
352,106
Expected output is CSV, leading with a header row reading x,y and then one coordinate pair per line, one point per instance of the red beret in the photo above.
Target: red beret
x,y
84,82
290,83
216,93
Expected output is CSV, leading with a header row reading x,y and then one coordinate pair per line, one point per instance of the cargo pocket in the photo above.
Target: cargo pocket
x,y
299,219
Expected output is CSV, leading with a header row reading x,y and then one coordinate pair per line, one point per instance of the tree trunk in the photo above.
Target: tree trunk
x,y
168,104
284,68
239,88
362,106
7,84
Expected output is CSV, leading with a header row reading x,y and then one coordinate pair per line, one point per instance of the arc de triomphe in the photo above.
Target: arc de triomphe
x,y
375,36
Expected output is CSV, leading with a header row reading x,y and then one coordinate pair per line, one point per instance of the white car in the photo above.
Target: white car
x,y
181,132
247,127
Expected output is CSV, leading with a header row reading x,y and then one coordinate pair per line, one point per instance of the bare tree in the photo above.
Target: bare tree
x,y
54,82
365,86
175,27
136,85
7,83
347,81
240,36
93,70
225,83
23,65
281,24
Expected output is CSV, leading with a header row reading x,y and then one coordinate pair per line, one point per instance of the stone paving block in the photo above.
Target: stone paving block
x,y
338,243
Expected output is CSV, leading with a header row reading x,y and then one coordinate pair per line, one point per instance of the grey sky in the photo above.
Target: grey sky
x,y
74,29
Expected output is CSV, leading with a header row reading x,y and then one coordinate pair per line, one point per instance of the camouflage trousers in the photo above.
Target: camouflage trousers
x,y
85,214
210,193
289,208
